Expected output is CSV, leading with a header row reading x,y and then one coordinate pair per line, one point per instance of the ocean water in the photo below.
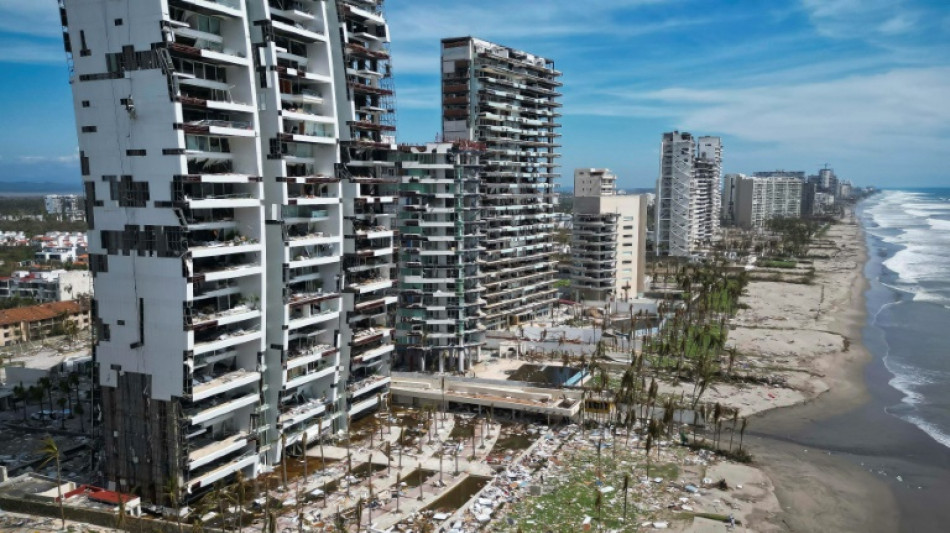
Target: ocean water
x,y
908,235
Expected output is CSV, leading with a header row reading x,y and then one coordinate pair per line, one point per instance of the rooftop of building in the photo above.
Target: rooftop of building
x,y
35,313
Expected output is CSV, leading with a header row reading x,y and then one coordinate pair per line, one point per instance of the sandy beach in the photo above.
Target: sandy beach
x,y
807,339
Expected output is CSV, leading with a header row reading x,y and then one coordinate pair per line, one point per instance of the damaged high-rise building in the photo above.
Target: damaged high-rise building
x,y
507,99
241,195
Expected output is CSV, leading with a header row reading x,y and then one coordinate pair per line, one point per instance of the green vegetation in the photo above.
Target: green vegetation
x,y
795,235
577,494
11,256
10,303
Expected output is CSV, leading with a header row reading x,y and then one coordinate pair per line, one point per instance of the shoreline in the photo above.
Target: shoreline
x,y
838,461
818,490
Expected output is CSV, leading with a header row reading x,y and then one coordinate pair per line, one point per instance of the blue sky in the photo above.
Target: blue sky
x,y
863,85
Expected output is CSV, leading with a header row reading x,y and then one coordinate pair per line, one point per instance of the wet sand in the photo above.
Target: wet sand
x,y
839,462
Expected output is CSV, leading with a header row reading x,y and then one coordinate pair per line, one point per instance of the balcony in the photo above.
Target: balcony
x,y
237,245
304,256
208,51
221,317
370,285
233,128
221,268
302,376
362,387
298,413
225,7
215,473
302,317
364,405
208,386
301,357
373,355
220,340
304,97
293,10
368,335
208,450
219,407
307,32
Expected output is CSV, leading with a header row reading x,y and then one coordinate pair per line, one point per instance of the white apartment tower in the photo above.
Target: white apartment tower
x,y
688,195
233,158
440,294
608,245
762,198
507,99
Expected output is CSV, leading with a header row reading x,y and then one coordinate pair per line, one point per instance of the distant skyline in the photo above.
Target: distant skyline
x,y
858,84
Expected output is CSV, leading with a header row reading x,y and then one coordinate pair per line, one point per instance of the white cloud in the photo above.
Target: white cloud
x,y
876,122
863,19
30,17
46,159
418,26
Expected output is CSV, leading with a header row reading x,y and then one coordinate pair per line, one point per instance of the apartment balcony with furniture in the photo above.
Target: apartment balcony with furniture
x,y
207,448
219,338
221,406
300,409
304,353
301,254
308,314
212,381
216,267
203,49
207,243
207,476
221,311
304,374
366,385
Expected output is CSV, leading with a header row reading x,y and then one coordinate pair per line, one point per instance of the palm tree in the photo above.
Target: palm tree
x,y
66,389
649,446
283,457
35,394
388,451
306,477
398,489
735,421
19,394
73,381
240,495
742,432
81,412
46,385
598,503
50,453
626,485
120,517
172,492
61,402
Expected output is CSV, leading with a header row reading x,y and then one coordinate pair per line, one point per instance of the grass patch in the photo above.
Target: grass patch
x,y
568,500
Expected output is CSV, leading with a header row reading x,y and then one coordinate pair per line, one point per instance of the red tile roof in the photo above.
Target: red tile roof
x,y
35,313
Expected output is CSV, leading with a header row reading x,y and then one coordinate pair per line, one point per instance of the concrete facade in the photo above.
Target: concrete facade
x,y
507,99
235,163
688,193
760,199
438,322
608,245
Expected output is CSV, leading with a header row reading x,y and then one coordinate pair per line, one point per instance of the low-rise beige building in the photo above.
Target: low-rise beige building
x,y
24,324
608,245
